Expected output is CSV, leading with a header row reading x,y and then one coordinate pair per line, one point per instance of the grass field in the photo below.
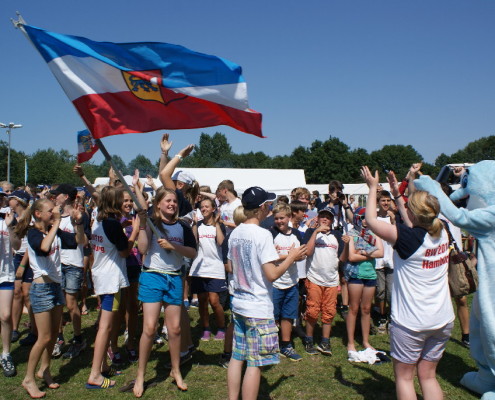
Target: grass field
x,y
315,377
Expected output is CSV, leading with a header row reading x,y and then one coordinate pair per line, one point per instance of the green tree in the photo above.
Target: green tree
x,y
104,167
16,164
144,165
481,149
50,166
211,152
395,157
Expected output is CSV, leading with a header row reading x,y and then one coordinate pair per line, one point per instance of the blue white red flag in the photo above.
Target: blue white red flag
x,y
86,146
122,88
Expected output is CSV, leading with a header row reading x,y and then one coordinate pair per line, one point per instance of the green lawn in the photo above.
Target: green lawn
x,y
315,377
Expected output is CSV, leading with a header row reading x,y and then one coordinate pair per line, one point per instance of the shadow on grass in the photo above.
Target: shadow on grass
x,y
376,386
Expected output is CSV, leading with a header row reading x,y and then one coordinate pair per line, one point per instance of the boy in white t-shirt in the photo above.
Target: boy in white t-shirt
x,y
228,201
252,256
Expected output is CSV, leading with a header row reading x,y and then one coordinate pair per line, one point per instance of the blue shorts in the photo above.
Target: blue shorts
x,y
46,296
155,287
27,275
7,286
285,303
133,273
365,282
255,341
72,278
110,302
202,285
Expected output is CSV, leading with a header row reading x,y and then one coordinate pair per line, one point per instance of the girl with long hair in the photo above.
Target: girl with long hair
x,y
161,280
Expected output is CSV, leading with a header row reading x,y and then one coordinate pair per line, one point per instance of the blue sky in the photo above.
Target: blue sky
x,y
368,72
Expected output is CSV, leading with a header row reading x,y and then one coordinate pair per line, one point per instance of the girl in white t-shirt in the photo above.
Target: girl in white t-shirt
x,y
161,280
45,239
208,270
422,313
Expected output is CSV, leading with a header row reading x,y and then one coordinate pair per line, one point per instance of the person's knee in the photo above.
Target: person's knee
x,y
5,315
365,309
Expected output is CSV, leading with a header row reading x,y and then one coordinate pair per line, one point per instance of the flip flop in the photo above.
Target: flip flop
x,y
84,311
112,371
106,384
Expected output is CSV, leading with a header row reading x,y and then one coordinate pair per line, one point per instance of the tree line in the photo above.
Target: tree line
x,y
321,161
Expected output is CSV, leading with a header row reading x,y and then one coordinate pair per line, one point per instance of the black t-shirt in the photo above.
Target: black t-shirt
x,y
35,237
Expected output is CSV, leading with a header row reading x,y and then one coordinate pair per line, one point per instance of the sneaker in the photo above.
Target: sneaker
x,y
29,340
194,304
225,360
165,333
117,359
325,348
184,357
206,336
8,366
186,304
159,340
57,349
132,355
220,335
343,311
75,349
126,337
15,336
465,342
382,326
310,347
290,353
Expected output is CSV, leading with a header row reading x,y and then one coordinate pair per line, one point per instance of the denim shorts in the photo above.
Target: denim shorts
x,y
285,302
255,341
45,296
27,275
202,285
365,282
155,287
72,278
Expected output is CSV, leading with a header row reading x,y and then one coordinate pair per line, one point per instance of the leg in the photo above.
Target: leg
x,y
404,380
44,324
185,330
286,328
132,314
463,314
26,286
214,299
74,312
428,380
6,297
204,315
100,347
46,357
234,375
151,312
355,291
366,300
173,313
17,305
251,383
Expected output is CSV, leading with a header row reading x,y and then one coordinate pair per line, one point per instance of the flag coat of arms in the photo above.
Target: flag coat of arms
x,y
86,146
120,88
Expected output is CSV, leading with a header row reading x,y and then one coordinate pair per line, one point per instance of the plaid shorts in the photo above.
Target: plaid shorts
x,y
256,341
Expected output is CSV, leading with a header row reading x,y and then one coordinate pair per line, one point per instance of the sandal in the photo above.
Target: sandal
x,y
84,311
106,384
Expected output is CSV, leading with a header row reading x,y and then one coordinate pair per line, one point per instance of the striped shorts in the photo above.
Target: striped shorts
x,y
255,341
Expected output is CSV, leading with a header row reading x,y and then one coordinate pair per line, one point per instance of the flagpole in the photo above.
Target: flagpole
x,y
108,157
25,171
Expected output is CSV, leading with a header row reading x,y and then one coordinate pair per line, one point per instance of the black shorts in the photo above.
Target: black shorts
x,y
202,285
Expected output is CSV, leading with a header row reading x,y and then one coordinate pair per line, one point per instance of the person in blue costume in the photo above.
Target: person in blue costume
x,y
479,220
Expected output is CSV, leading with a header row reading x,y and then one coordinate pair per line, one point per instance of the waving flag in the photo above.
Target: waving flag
x,y
122,88
86,146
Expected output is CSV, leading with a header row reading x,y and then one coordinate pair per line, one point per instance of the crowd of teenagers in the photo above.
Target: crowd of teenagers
x,y
281,264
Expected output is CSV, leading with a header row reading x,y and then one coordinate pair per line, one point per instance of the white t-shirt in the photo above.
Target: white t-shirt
x,y
109,270
227,212
48,263
387,261
420,295
323,264
251,246
7,271
67,256
159,259
283,242
209,262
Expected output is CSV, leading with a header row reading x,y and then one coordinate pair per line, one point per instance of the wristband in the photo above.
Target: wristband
x,y
179,157
397,197
22,266
347,208
142,228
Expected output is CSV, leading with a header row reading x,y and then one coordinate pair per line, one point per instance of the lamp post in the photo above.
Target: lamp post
x,y
9,128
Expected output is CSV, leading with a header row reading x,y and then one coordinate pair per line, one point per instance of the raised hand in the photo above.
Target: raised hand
x,y
186,150
371,180
394,185
165,144
78,170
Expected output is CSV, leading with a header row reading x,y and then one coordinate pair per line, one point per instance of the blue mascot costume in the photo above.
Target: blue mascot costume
x,y
479,220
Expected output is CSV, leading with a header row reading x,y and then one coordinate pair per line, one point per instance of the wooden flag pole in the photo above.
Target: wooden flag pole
x,y
108,157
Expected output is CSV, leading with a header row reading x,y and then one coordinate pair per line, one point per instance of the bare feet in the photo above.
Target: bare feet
x,y
33,390
177,378
98,381
138,388
47,377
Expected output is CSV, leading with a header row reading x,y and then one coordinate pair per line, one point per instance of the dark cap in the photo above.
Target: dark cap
x,y
327,210
255,197
65,188
20,195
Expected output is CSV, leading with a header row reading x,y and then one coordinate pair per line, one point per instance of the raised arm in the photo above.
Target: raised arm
x,y
380,228
274,271
168,170
80,173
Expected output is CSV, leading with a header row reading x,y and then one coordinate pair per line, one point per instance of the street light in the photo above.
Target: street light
x,y
9,128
